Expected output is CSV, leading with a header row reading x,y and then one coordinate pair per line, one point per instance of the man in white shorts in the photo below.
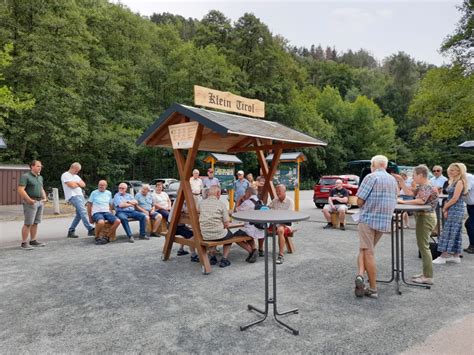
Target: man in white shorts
x,y
337,202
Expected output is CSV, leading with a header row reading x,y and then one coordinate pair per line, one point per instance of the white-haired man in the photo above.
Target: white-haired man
x,y
282,202
376,198
72,186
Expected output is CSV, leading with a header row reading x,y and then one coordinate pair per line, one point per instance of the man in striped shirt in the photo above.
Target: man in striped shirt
x,y
376,198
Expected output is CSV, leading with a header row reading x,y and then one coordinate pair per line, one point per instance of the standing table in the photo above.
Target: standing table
x,y
439,213
273,217
398,267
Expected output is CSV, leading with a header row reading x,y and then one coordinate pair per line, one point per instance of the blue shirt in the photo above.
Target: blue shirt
x,y
118,199
379,191
240,188
144,201
100,200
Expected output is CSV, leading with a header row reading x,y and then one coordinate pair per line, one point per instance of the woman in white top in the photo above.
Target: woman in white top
x,y
161,201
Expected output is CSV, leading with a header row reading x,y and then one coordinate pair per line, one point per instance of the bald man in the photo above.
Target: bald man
x,y
99,210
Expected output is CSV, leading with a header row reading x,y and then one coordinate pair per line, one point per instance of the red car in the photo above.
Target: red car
x,y
327,182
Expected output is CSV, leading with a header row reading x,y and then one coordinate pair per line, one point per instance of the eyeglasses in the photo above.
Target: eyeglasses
x,y
436,171
122,188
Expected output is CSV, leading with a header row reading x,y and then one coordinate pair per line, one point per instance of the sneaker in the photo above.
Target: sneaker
x,y
280,259
195,258
261,253
71,235
328,226
253,256
371,293
224,262
156,235
144,237
131,239
359,286
439,260
423,280
182,252
454,259
417,276
26,246
101,241
342,227
469,249
91,232
35,243
213,260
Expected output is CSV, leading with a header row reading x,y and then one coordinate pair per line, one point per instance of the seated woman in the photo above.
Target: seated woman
x,y
161,201
249,200
145,205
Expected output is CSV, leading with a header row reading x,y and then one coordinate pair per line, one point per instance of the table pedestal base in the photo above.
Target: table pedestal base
x,y
270,300
398,264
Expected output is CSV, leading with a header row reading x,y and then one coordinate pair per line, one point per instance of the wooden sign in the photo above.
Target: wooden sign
x,y
227,101
182,134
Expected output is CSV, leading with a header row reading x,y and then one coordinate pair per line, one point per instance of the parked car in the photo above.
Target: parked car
x,y
362,168
166,182
328,182
172,190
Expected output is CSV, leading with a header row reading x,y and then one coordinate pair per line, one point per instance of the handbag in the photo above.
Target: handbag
x,y
433,249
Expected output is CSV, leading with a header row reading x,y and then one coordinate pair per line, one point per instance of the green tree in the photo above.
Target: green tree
x,y
460,44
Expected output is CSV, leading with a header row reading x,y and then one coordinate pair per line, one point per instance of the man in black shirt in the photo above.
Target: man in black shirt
x,y
337,202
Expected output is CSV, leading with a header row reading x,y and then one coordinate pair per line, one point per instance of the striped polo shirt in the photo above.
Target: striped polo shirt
x,y
213,214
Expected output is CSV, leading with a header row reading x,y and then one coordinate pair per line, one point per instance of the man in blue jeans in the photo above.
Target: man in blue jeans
x,y
125,207
72,186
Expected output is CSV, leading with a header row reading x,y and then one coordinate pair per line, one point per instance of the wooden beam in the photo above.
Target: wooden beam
x,y
270,147
244,142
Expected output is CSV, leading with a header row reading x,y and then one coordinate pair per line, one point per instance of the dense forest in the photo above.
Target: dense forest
x,y
80,80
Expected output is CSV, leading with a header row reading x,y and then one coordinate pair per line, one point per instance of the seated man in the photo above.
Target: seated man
x,y
249,201
214,221
99,210
186,232
337,202
161,201
125,206
282,202
145,205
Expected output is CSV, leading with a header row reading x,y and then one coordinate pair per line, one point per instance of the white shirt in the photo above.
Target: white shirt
x,y
69,192
196,185
162,200
439,181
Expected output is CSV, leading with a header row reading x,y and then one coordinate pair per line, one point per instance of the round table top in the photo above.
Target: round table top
x,y
270,216
412,208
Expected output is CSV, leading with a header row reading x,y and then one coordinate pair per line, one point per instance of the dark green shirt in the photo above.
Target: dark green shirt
x,y
33,184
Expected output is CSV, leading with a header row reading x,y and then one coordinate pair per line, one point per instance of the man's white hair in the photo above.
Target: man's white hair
x,y
195,171
379,161
76,165
213,190
146,186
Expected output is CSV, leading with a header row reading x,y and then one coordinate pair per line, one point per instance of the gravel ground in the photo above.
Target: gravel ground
x,y
75,297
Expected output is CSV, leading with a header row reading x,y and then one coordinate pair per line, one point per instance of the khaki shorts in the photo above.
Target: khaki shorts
x,y
33,213
368,237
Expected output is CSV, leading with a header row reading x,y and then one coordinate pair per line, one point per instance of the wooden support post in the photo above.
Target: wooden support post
x,y
297,188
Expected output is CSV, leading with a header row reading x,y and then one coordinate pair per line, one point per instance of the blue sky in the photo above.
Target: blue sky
x,y
381,27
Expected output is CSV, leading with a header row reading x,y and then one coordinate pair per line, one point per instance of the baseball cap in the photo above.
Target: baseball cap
x,y
240,172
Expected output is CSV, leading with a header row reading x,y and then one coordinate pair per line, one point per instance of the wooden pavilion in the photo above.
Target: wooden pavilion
x,y
223,133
